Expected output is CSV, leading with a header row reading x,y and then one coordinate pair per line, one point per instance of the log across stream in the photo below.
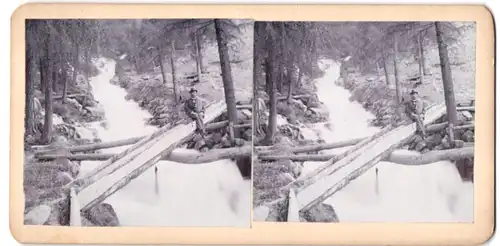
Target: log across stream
x,y
388,192
177,194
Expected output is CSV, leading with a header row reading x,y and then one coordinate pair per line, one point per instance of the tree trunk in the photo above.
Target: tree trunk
x,y
65,84
76,62
160,60
420,58
227,78
257,73
272,80
314,147
384,64
198,58
54,75
281,77
46,66
449,95
87,68
269,73
29,120
289,76
200,54
172,64
176,155
299,79
396,77
402,157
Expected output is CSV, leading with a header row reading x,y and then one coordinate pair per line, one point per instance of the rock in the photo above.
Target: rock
x,y
467,115
458,143
163,116
296,169
216,137
31,195
97,112
468,136
225,141
62,178
60,213
65,165
197,137
445,143
260,213
247,113
420,145
239,142
433,140
102,215
38,215
321,213
199,144
247,135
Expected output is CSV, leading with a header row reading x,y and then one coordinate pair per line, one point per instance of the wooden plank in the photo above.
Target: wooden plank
x,y
293,207
118,160
329,185
121,175
348,155
75,217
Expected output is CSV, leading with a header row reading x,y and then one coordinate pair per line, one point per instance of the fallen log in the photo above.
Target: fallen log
x,y
402,157
317,147
417,159
97,146
176,156
56,97
436,127
468,126
119,143
249,106
466,108
218,125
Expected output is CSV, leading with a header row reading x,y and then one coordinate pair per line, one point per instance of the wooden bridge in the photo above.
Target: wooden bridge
x,y
115,173
312,189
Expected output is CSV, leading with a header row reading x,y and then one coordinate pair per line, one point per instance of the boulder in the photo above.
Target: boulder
x,y
102,215
321,213
95,111
468,136
260,213
31,195
247,135
239,142
216,137
38,215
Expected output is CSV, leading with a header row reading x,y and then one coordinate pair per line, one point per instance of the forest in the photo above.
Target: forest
x,y
61,54
286,56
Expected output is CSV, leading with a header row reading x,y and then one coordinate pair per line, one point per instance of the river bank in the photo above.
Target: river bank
x,y
74,123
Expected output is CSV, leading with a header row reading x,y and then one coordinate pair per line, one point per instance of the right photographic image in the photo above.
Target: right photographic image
x,y
364,121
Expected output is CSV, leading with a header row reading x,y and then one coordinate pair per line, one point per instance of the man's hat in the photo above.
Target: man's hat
x,y
413,92
193,90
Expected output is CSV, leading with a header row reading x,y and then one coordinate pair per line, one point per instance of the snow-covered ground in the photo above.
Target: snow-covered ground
x,y
213,194
429,193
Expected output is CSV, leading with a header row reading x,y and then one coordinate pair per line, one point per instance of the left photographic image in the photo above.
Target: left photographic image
x,y
138,122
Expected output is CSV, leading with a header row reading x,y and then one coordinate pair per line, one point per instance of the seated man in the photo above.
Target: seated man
x,y
195,110
415,109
